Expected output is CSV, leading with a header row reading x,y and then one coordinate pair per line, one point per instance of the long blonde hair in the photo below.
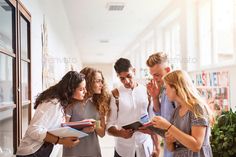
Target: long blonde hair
x,y
185,89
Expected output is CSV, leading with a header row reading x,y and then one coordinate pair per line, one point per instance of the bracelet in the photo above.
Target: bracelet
x,y
58,138
169,127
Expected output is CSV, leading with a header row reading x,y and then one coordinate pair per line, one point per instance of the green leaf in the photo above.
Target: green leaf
x,y
223,133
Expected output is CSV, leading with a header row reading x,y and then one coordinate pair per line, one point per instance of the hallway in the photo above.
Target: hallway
x,y
41,40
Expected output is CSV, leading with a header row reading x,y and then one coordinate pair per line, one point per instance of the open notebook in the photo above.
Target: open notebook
x,y
143,122
67,132
135,125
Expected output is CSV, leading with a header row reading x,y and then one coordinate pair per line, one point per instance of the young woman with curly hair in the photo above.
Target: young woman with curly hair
x,y
95,106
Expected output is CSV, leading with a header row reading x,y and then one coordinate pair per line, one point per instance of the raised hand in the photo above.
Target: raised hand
x,y
154,88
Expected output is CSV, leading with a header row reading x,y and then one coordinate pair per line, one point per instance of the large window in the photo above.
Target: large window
x,y
216,29
224,30
204,25
15,61
172,45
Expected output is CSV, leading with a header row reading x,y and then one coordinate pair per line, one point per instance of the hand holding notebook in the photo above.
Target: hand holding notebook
x,y
143,122
136,125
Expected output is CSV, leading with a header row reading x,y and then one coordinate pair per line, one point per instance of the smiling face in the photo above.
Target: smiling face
x,y
98,83
80,91
127,78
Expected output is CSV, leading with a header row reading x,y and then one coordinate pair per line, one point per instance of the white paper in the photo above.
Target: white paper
x,y
67,132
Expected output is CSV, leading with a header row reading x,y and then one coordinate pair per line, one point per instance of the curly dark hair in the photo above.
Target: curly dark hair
x,y
101,101
63,90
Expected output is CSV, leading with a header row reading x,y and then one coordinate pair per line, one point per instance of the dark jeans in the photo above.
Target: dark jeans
x,y
117,155
44,151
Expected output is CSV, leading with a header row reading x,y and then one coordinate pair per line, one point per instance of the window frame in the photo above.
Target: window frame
x,y
17,107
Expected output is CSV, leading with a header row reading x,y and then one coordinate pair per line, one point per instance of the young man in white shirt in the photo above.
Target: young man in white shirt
x,y
133,103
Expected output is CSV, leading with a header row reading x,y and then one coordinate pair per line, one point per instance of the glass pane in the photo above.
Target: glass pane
x,y
167,42
24,38
6,133
6,77
25,118
25,81
6,17
223,24
205,34
176,58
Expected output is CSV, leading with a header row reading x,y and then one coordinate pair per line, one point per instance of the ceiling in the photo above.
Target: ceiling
x,y
102,35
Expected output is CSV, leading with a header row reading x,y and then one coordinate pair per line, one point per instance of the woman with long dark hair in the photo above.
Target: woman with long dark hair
x,y
49,114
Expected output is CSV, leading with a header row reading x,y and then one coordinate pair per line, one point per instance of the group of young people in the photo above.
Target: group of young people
x,y
170,100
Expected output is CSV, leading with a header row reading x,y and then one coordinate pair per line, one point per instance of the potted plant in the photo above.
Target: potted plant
x,y
223,135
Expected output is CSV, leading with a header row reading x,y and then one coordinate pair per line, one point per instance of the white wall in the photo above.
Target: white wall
x,y
61,43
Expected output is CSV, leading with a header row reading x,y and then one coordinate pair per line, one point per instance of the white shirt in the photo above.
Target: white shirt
x,y
132,105
47,116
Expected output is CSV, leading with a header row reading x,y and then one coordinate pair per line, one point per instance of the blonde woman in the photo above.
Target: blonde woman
x,y
187,133
95,106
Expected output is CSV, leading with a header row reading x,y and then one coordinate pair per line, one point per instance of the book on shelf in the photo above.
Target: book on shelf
x,y
79,125
67,132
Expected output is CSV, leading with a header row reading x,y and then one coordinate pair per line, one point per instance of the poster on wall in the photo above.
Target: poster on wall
x,y
213,86
48,76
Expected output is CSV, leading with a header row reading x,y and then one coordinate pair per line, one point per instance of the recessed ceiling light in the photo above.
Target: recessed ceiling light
x,y
115,6
104,41
99,54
